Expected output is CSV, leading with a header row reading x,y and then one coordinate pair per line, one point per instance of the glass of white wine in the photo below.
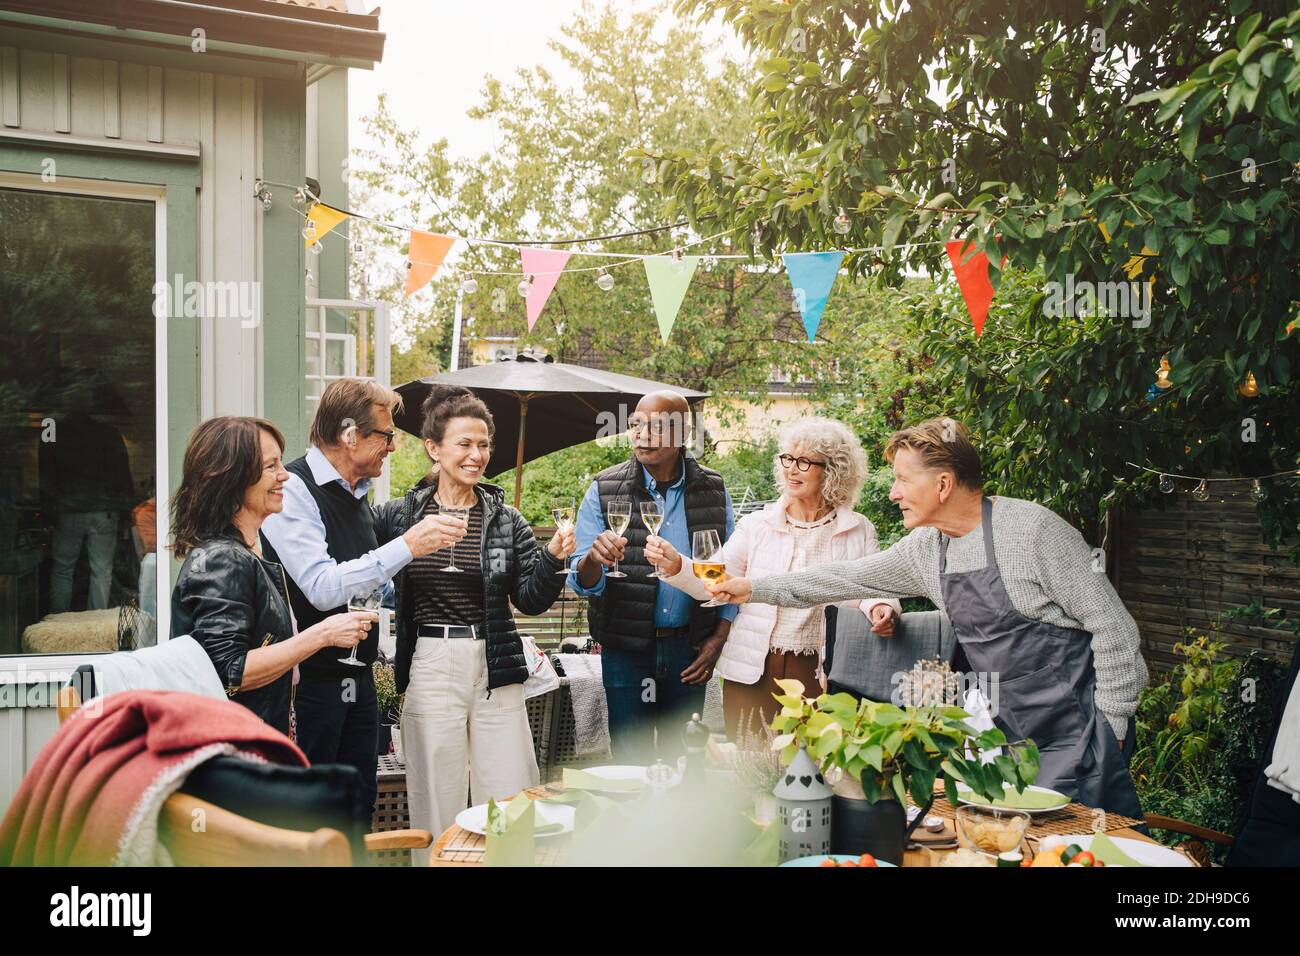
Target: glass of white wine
x,y
654,519
618,514
562,512
365,601
463,514
707,561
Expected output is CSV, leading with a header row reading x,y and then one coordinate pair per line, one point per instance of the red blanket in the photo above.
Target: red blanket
x,y
92,796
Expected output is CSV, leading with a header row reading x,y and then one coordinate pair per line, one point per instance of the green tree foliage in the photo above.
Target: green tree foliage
x,y
1025,127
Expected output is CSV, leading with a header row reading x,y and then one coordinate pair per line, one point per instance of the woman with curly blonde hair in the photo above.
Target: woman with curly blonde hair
x,y
820,469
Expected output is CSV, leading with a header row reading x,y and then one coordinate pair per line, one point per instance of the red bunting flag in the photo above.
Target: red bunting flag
x,y
973,279
425,255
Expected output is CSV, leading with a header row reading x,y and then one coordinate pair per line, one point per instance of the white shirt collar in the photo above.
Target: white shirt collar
x,y
324,473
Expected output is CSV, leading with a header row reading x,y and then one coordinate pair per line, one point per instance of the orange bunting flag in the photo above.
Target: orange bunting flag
x,y
972,275
425,255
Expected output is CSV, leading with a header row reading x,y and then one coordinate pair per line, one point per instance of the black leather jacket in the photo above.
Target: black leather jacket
x,y
515,570
231,601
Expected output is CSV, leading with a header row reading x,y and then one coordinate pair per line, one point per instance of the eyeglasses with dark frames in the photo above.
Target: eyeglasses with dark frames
x,y
390,435
803,464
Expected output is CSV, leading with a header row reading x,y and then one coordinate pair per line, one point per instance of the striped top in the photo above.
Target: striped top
x,y
442,597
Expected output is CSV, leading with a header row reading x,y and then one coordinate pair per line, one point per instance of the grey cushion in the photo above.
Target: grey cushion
x,y
866,664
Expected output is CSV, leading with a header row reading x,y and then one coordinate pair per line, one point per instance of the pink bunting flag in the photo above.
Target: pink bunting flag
x,y
544,267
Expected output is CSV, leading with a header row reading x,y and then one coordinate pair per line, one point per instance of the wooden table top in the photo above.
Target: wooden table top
x,y
458,847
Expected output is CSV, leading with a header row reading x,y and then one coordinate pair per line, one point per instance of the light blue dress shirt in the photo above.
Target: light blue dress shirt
x,y
298,535
672,607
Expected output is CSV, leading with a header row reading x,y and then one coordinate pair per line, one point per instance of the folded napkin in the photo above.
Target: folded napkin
x,y
510,836
1104,848
1029,800
981,719
577,779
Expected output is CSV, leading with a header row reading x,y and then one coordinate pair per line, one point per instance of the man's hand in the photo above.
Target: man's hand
x,y
883,620
730,591
563,544
701,669
660,553
607,548
433,533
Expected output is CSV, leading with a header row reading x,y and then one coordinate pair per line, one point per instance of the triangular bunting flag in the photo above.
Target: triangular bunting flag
x,y
811,276
669,279
972,278
423,257
1135,264
325,218
544,266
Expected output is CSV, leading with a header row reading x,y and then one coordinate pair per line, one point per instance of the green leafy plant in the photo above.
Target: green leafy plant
x,y
898,750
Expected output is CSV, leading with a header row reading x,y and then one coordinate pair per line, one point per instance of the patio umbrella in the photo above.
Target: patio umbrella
x,y
539,407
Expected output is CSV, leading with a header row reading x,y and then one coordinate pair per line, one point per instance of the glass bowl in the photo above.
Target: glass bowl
x,y
991,830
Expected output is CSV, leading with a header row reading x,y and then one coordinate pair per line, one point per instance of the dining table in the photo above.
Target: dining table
x,y
456,846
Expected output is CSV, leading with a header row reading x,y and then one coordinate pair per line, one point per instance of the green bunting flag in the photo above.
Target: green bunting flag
x,y
668,278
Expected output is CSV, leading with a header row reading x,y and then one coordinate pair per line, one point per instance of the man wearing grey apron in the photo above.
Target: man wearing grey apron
x,y
1030,608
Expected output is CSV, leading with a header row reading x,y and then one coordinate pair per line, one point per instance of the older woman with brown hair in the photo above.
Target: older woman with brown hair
x,y
228,597
820,470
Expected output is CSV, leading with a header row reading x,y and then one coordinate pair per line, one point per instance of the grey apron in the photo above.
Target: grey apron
x,y
1046,684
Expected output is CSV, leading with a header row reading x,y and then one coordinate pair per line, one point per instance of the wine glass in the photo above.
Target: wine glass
x,y
453,511
654,519
562,512
707,561
618,514
370,601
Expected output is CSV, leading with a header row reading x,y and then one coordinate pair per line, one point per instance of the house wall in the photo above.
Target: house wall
x,y
125,113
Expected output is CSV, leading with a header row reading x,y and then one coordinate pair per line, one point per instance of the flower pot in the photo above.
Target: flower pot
x,y
859,827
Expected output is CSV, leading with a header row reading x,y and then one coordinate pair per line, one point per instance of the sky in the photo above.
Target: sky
x,y
437,53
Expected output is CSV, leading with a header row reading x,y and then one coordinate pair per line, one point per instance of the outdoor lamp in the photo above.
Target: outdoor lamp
x,y
803,810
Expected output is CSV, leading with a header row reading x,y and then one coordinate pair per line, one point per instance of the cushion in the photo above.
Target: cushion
x,y
864,664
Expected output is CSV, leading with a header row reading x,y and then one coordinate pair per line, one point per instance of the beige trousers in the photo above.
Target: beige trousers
x,y
456,739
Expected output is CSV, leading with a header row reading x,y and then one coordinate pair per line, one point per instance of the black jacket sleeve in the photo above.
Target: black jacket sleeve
x,y
388,520
536,584
219,594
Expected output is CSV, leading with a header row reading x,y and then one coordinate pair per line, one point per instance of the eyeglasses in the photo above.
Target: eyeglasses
x,y
390,436
803,464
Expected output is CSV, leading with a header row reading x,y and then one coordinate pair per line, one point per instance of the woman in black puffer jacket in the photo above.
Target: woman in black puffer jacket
x,y
460,660
228,597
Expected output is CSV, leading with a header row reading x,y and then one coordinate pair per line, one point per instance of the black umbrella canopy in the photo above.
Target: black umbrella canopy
x,y
567,404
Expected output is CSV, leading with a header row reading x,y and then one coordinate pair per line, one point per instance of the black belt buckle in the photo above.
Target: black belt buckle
x,y
447,631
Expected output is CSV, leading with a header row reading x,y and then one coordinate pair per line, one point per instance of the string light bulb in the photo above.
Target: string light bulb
x,y
1257,492
1249,388
842,224
469,286
1167,484
299,197
316,248
1162,374
525,286
604,281
1202,491
309,230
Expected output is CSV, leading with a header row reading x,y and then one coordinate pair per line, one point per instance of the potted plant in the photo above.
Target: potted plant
x,y
876,754
389,703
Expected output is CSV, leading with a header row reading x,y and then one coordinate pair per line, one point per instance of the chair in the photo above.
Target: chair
x,y
1200,835
228,839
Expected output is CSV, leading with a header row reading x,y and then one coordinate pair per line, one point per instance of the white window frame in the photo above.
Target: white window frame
x,y
383,358
42,668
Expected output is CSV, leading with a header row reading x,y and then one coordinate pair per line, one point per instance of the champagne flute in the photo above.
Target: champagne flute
x,y
618,514
654,519
453,511
707,561
370,601
562,512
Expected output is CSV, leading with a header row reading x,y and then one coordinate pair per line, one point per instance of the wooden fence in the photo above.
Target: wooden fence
x,y
1189,564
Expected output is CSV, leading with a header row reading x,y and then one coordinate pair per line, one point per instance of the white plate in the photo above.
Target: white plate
x,y
962,789
623,772
1150,854
474,819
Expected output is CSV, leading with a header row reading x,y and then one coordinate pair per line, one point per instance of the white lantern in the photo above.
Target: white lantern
x,y
803,809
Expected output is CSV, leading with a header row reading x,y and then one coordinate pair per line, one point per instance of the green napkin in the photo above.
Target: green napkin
x,y
510,836
575,779
1104,848
587,807
1028,800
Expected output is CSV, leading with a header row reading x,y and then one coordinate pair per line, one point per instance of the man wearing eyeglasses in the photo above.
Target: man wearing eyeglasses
x,y
325,540
658,645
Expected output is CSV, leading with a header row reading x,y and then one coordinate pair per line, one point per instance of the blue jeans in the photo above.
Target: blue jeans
x,y
648,701
97,530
